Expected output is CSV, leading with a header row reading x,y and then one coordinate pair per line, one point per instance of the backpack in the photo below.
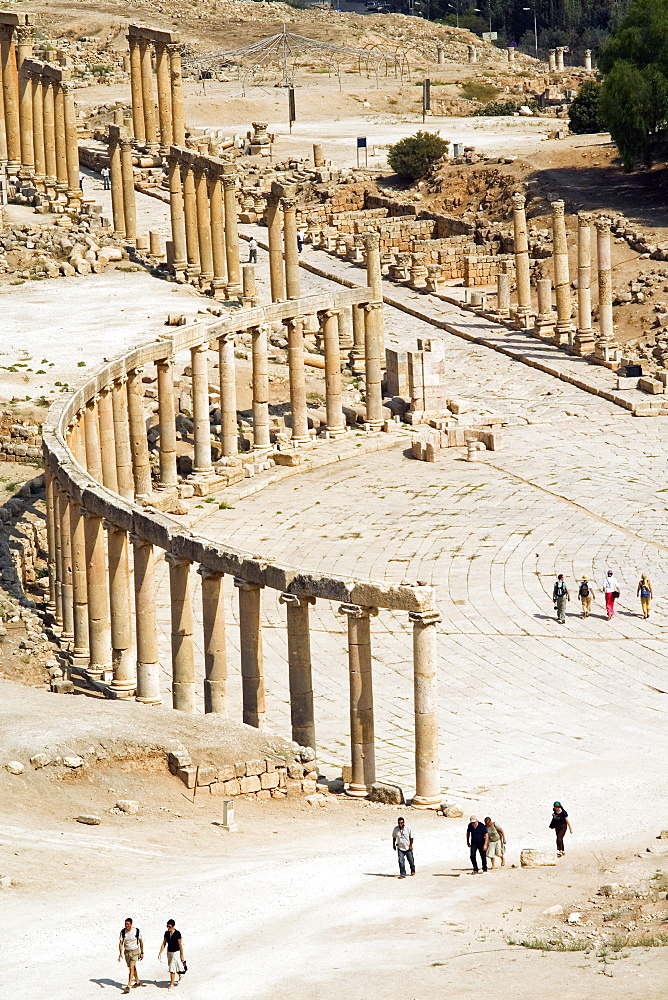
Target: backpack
x,y
645,591
135,929
584,589
559,589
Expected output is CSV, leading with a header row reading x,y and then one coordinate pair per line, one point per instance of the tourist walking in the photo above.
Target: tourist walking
x,y
496,843
252,251
300,240
645,594
560,823
176,962
477,841
106,178
402,843
131,946
585,593
611,591
560,596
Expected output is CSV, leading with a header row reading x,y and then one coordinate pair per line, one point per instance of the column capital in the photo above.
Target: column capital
x,y
134,372
425,617
174,48
296,600
328,313
200,348
119,381
229,181
246,584
110,526
518,201
125,143
370,306
166,361
288,204
138,541
173,560
357,611
24,33
93,401
584,220
210,574
558,207
372,241
602,225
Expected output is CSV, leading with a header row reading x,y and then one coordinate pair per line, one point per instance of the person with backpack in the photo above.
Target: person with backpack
x,y
585,593
176,962
645,594
611,591
131,945
560,596
560,823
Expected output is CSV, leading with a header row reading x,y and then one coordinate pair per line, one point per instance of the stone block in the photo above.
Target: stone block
x,y
263,795
347,773
531,858
382,791
240,769
227,789
282,777
178,759
14,767
451,811
290,458
89,820
662,836
61,685
295,771
650,385
309,787
293,787
187,775
40,760
250,784
73,762
627,383
553,911
278,793
270,765
226,773
269,780
255,767
206,775
129,806
611,889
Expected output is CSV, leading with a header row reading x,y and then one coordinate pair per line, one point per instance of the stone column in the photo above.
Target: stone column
x,y
584,338
141,468
164,97
545,319
215,657
249,295
92,432
362,740
203,224
124,475
587,59
374,279
292,284
50,539
183,661
128,178
336,422
503,294
178,120
99,629
345,328
3,129
80,649
136,91
298,414
523,310
552,61
357,352
58,553
261,440
217,224
116,171
603,248
177,218
425,686
299,666
61,142
145,48
252,660
166,410
122,652
146,625
563,332
276,276
190,216
560,58
107,441
24,34
67,634
373,371
229,434
202,428
233,289
71,146
49,110
10,95
38,130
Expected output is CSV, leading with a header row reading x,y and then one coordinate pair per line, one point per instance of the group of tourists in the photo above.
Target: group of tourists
x,y
131,947
486,841
610,590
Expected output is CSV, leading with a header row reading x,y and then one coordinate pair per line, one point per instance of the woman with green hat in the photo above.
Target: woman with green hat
x,y
560,823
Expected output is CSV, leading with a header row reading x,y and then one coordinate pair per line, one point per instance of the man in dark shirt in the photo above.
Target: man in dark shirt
x,y
476,840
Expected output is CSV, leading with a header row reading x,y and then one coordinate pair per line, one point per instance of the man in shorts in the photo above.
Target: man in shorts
x,y
131,945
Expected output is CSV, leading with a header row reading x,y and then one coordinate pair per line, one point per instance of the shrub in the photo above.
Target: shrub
x,y
500,108
413,156
471,90
584,113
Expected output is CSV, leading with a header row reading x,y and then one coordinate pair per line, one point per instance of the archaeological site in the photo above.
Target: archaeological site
x,y
333,490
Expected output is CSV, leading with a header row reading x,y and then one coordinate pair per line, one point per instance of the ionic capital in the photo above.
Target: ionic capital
x,y
139,542
176,561
370,306
165,362
246,585
357,611
93,401
110,526
296,600
424,617
209,574
120,381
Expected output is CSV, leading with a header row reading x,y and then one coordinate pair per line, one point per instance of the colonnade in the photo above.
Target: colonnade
x,y
156,133
104,543
38,132
559,327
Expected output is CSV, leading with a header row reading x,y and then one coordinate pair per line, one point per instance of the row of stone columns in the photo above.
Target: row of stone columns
x,y
581,340
156,133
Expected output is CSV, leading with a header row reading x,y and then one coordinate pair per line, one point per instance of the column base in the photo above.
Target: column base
x,y
543,329
204,280
218,286
336,433
192,273
373,426
563,334
584,343
301,440
121,693
426,801
148,700
523,320
80,659
357,791
233,291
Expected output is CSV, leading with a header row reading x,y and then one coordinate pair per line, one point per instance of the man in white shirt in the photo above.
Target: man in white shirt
x,y
611,591
402,843
131,946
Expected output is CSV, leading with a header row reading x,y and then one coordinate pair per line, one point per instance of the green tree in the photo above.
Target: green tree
x,y
413,156
634,106
584,112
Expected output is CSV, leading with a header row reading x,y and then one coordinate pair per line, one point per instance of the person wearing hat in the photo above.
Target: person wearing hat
x,y
585,593
477,840
560,823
